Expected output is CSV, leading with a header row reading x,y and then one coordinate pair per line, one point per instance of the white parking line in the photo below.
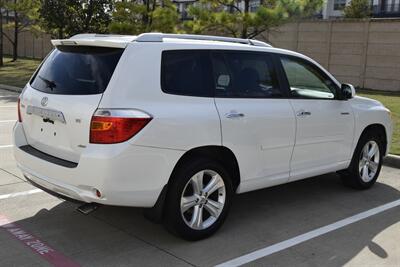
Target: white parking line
x,y
29,192
7,121
5,146
8,106
307,236
7,96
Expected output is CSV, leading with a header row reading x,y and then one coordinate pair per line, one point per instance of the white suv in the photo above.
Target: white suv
x,y
181,123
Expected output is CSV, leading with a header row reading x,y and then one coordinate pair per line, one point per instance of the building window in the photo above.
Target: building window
x,y
339,4
254,5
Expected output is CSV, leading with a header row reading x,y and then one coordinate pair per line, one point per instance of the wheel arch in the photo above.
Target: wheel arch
x,y
222,154
380,130
349,176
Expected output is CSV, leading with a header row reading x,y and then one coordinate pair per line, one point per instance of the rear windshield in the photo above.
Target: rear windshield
x,y
77,70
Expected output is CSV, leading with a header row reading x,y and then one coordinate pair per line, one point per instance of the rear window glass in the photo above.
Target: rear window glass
x,y
186,72
245,75
77,70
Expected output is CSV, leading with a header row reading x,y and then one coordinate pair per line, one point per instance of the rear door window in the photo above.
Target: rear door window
x,y
77,70
241,74
186,72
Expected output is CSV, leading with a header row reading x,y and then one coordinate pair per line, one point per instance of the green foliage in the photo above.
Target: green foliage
x,y
64,18
27,14
135,17
25,18
358,9
225,16
56,16
67,17
165,19
127,18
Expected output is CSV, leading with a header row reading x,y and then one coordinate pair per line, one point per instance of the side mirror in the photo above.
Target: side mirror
x,y
347,91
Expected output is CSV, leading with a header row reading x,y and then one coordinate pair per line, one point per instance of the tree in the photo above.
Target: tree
x,y
94,16
57,16
135,17
165,18
358,9
25,17
235,18
63,18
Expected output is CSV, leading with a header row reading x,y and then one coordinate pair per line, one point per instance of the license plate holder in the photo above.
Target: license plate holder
x,y
49,114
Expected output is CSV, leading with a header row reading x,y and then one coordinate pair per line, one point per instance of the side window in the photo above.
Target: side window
x,y
186,72
244,75
306,80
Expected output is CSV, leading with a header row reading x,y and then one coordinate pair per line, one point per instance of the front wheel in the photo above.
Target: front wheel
x,y
198,199
366,163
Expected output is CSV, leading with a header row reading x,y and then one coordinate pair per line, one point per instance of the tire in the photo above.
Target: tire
x,y
364,170
186,198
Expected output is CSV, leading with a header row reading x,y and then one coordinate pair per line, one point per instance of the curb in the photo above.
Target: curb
x,y
11,88
392,161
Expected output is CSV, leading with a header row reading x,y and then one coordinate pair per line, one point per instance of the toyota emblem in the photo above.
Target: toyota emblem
x,y
44,101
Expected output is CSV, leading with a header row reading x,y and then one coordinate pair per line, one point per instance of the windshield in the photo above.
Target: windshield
x,y
77,70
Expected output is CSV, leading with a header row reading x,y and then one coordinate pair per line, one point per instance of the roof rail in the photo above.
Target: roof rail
x,y
100,35
158,37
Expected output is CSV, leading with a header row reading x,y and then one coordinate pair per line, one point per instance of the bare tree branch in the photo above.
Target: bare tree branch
x,y
8,38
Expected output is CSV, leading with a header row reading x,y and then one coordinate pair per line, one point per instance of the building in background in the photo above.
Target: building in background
x,y
386,8
182,7
379,8
6,15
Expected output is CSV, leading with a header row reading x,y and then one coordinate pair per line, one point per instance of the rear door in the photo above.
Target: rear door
x,y
257,121
58,103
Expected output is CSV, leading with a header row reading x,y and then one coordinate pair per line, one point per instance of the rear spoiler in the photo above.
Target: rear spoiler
x,y
102,40
88,42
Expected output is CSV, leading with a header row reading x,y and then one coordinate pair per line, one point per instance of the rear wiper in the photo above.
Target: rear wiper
x,y
49,84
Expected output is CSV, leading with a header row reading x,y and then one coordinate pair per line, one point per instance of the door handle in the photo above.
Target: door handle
x,y
234,115
303,113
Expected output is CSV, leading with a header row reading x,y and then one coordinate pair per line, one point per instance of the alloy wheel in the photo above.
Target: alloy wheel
x,y
203,199
369,161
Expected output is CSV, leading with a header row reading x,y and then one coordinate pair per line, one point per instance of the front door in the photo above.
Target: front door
x,y
325,125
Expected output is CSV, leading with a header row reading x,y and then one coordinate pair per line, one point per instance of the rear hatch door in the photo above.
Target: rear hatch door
x,y
58,103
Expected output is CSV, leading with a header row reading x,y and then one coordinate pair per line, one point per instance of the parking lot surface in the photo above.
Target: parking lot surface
x,y
37,229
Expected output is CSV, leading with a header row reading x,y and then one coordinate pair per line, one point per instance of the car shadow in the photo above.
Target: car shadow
x,y
122,236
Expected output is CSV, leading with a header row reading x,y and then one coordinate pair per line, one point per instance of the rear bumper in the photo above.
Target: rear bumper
x,y
53,193
125,174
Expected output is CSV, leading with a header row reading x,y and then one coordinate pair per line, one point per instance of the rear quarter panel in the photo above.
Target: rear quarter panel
x,y
179,122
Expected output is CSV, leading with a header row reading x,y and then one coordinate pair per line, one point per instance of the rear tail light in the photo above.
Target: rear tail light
x,y
19,110
110,126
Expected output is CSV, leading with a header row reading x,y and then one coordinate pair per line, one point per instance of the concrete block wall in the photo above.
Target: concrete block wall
x,y
365,53
382,68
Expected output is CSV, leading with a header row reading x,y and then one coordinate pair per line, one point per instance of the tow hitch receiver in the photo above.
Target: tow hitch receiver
x,y
87,208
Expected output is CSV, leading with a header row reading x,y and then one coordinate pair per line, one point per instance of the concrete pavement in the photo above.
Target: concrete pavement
x,y
116,236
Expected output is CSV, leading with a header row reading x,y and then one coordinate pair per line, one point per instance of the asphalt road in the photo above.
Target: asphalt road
x,y
37,229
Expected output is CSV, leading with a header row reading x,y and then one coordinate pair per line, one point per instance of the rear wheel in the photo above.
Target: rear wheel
x,y
198,199
366,163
